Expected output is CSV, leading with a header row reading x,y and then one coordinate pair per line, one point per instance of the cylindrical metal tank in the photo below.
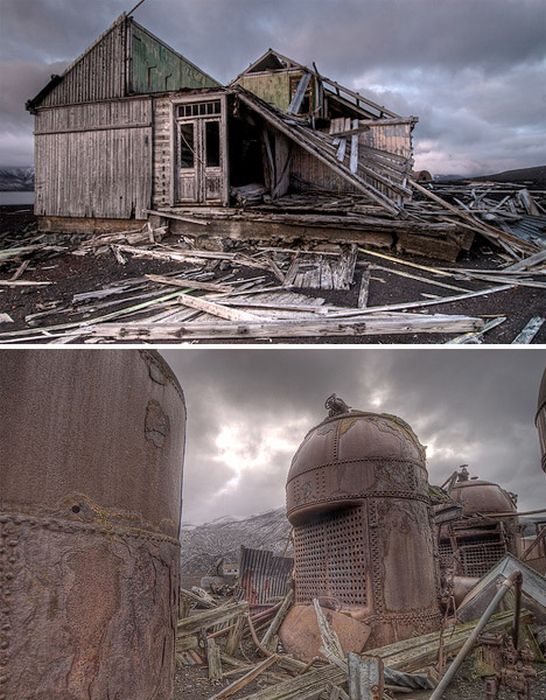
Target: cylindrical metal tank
x,y
357,496
540,420
92,448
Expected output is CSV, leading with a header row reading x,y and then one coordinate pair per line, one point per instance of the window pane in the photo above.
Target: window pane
x,y
187,147
212,138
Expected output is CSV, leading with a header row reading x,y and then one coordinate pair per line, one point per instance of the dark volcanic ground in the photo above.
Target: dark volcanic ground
x,y
70,274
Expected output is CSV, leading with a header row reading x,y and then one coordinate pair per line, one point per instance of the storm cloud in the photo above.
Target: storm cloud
x,y
472,71
248,410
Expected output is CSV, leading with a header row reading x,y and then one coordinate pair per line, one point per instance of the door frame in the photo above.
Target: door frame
x,y
224,150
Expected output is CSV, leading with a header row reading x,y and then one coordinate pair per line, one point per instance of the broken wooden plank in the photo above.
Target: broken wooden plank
x,y
418,304
527,263
278,619
177,217
214,660
238,685
353,162
529,331
364,290
210,618
476,337
210,307
378,325
187,283
23,283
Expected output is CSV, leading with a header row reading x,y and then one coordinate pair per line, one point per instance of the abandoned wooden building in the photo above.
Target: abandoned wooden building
x,y
134,130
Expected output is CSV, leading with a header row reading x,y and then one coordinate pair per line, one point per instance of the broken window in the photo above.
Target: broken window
x,y
212,141
187,146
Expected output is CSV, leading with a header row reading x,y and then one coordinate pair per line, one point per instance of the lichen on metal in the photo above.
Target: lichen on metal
x,y
89,524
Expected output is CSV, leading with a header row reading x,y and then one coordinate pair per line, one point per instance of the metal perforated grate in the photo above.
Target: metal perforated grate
x,y
478,558
445,550
331,558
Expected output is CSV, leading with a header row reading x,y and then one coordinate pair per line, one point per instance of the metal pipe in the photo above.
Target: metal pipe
x,y
484,619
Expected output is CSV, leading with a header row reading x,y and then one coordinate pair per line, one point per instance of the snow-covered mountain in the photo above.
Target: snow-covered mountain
x,y
203,545
16,179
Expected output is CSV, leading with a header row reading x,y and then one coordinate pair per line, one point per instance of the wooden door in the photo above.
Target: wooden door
x,y
201,153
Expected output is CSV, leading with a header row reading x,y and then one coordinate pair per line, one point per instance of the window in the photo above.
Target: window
x,y
187,146
212,141
199,109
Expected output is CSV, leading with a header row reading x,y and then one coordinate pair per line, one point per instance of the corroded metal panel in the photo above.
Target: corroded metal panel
x,y
357,495
92,454
541,419
263,577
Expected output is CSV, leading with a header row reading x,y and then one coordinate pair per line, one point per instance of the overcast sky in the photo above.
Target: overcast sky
x,y
248,411
472,70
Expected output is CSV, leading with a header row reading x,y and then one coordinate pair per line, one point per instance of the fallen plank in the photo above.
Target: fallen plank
x,y
278,619
385,256
526,263
238,685
364,290
380,325
171,215
190,284
210,307
529,331
419,304
23,283
214,660
476,336
419,278
210,618
5,318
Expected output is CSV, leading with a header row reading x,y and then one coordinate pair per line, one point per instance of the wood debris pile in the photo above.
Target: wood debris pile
x,y
239,646
222,289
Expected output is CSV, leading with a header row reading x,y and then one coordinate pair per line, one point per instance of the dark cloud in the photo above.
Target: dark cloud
x,y
473,71
248,410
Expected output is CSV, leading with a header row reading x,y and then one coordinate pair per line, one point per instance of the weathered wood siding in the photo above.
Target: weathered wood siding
x,y
163,166
391,138
155,67
94,160
309,173
273,88
99,74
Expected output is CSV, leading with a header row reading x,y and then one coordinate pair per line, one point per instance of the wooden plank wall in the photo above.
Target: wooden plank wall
x,y
99,75
309,173
392,138
162,153
94,160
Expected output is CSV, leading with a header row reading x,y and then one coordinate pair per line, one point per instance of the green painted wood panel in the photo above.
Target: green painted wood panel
x,y
157,68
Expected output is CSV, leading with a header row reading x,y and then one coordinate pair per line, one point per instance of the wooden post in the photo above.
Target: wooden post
x,y
365,677
214,660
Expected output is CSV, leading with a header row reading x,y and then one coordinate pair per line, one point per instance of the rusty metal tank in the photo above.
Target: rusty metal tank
x,y
540,420
90,500
479,496
473,543
357,496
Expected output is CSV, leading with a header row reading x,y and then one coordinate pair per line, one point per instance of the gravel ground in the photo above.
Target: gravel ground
x,y
71,274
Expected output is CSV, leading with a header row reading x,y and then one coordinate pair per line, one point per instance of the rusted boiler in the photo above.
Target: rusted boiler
x,y
540,419
472,544
90,499
357,496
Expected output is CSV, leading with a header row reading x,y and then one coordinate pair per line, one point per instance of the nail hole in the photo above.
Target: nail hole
x,y
75,509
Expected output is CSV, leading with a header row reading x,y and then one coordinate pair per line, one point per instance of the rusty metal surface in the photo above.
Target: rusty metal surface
x,y
357,495
477,496
300,634
264,578
92,455
476,541
540,420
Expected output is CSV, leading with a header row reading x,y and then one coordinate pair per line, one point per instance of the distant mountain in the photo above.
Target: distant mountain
x,y
535,176
17,179
203,545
